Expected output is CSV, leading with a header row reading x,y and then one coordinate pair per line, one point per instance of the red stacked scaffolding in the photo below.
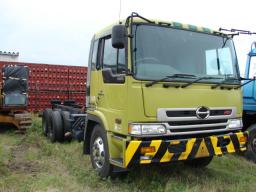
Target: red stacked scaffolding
x,y
53,82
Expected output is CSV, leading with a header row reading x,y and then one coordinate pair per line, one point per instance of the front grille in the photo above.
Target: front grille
x,y
180,113
194,126
192,113
220,112
187,121
197,129
180,123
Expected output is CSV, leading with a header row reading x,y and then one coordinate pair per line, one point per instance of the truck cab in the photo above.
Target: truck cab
x,y
14,97
159,92
249,101
249,96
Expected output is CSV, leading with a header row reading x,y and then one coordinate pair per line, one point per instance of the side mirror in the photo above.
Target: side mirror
x,y
119,34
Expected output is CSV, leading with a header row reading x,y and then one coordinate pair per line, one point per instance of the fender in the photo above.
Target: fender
x,y
91,120
99,118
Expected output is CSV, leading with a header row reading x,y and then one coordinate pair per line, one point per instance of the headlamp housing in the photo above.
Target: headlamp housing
x,y
147,129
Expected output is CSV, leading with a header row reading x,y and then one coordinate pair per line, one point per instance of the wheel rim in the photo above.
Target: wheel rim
x,y
50,134
50,131
44,126
98,152
254,144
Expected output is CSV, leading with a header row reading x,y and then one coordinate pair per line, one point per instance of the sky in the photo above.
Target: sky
x,y
60,31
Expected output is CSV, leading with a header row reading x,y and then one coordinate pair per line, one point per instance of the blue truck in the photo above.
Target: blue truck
x,y
249,95
249,101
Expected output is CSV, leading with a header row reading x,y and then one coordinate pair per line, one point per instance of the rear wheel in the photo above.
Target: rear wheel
x,y
46,121
200,162
99,152
56,133
250,153
69,102
66,125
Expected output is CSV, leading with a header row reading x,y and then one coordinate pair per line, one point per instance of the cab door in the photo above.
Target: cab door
x,y
112,92
92,88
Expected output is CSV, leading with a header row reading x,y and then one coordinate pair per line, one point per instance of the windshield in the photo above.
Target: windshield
x,y
161,51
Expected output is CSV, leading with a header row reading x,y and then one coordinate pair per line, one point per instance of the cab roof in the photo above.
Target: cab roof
x,y
173,24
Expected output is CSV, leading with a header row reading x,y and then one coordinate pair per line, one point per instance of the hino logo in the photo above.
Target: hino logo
x,y
202,112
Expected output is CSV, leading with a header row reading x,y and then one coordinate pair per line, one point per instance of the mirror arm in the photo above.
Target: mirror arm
x,y
130,36
249,80
129,72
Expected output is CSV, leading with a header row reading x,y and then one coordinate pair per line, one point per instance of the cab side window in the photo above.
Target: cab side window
x,y
113,59
252,72
94,54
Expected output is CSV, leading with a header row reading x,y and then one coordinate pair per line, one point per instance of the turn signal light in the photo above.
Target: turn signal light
x,y
243,139
144,150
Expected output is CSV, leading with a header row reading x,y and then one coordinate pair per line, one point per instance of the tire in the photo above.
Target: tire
x,y
66,125
55,102
56,133
99,152
250,153
69,102
57,109
200,162
46,121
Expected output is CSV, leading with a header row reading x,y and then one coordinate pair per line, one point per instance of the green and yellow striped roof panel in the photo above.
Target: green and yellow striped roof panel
x,y
173,24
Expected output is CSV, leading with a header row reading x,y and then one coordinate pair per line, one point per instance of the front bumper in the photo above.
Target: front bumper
x,y
176,150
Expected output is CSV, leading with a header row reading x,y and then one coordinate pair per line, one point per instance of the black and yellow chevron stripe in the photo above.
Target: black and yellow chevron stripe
x,y
176,150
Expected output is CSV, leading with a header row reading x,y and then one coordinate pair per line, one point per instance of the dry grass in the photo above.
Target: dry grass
x,y
31,163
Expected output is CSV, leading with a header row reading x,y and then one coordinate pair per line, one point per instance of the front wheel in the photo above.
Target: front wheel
x,y
200,162
250,153
99,152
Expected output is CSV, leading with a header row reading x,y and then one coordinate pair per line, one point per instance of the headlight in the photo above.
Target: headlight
x,y
147,129
235,123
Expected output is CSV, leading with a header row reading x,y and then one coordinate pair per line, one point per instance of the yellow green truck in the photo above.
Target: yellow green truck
x,y
156,92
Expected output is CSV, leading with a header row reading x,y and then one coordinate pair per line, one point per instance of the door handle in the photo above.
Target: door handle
x,y
101,93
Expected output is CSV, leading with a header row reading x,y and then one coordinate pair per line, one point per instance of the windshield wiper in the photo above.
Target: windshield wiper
x,y
170,77
197,80
224,82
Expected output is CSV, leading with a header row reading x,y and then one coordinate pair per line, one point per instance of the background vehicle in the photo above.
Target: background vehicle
x,y
249,99
13,97
157,92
